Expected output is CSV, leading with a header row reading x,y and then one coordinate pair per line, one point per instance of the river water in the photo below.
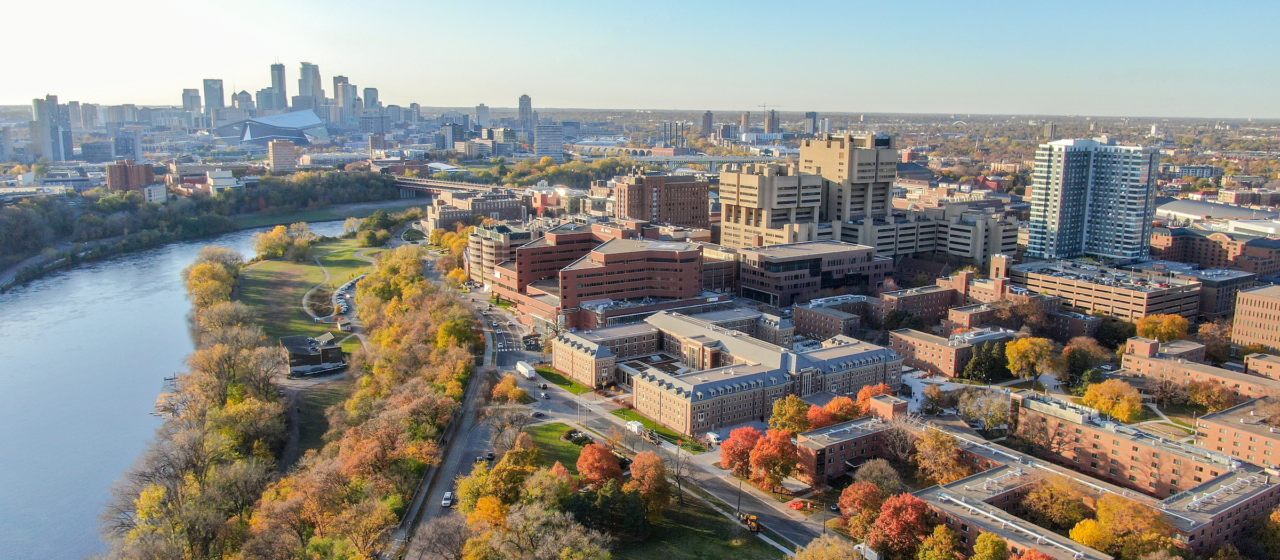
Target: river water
x,y
83,356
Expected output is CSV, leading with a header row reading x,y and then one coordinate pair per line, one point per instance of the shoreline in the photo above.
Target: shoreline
x,y
18,275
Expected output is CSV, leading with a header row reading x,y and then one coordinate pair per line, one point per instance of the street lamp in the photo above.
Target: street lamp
x,y
739,507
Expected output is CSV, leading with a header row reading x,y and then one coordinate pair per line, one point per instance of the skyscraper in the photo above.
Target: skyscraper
x,y
371,98
73,114
482,115
771,123
243,100
213,97
50,130
744,124
279,91
526,113
706,123
6,144
549,142
1092,197
309,84
1050,131
191,100
811,122
859,170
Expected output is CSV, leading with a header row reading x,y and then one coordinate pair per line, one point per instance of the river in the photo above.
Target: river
x,y
83,356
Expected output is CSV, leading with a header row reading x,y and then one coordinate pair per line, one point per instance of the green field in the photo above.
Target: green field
x,y
339,257
688,445
337,212
313,402
569,384
274,290
695,531
547,438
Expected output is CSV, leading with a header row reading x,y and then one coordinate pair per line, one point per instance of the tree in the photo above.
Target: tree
x,y
935,400
1216,338
868,392
508,390
987,364
988,408
537,533
1213,396
859,505
597,464
612,510
943,544
938,456
1057,503
1165,328
827,547
1124,528
1034,554
880,473
444,537
1228,552
773,459
649,478
819,417
990,547
898,319
790,414
735,452
1028,357
1117,398
350,225
904,522
1113,333
1092,534
843,409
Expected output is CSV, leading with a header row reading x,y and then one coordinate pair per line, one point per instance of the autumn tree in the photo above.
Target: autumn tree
x,y
938,456
1213,396
990,547
790,414
1216,338
507,389
443,537
986,407
880,473
943,544
842,409
1029,357
597,464
1034,554
904,522
773,459
1117,398
1124,528
859,506
1165,328
819,417
869,392
735,452
827,547
649,477
1057,503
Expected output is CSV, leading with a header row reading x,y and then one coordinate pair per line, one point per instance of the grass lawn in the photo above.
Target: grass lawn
x,y
505,304
339,257
696,531
313,401
689,445
1184,414
336,212
414,235
1029,384
274,290
547,438
351,344
569,384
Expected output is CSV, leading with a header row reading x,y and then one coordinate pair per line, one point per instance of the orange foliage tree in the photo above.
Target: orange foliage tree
x,y
597,464
869,392
773,459
903,523
735,453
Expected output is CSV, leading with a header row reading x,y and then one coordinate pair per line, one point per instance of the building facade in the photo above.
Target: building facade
x,y
674,199
489,245
282,157
1257,319
779,275
769,205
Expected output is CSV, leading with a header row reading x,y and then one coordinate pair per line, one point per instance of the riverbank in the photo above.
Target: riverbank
x,y
69,255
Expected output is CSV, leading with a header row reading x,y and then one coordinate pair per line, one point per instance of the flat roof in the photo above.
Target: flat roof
x,y
1017,532
805,249
912,291
844,431
1251,417
1103,276
918,335
1270,290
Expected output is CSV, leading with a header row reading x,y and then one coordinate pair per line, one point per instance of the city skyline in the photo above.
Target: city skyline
x,y
932,59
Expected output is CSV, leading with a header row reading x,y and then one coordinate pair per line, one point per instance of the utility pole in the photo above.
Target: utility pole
x,y
739,506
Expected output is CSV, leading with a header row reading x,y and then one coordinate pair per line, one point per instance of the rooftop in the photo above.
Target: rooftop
x,y
1251,417
844,431
806,249
1270,290
1200,209
914,291
1189,269
1092,274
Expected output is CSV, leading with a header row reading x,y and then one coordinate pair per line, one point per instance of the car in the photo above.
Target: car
x,y
543,386
489,456
480,458
835,507
495,323
545,396
536,414
448,500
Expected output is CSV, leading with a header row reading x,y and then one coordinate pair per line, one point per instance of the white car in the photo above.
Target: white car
x,y
448,500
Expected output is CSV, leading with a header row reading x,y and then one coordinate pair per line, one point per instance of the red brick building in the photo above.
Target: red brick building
x,y
1216,249
675,199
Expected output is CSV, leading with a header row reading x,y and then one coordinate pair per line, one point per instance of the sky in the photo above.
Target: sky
x,y
1173,58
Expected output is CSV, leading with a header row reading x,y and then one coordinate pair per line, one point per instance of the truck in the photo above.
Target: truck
x,y
525,369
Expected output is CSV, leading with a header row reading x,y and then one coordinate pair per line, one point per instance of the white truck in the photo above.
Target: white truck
x,y
525,369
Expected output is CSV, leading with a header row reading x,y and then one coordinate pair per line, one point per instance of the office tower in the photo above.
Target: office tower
x,y
126,144
6,145
282,157
706,123
243,101
527,120
345,97
127,175
1092,197
1050,131
279,91
824,126
771,123
744,124
73,115
213,97
50,130
309,84
811,122
191,100
371,98
266,99
549,141
415,113
769,204
482,115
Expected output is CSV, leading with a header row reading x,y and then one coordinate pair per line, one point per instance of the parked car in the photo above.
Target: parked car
x,y
545,396
448,500
489,456
543,386
480,458
536,414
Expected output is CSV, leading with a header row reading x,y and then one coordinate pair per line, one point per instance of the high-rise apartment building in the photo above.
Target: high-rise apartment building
x,y
50,131
769,204
280,93
706,123
1092,197
191,100
213,96
371,98
1257,317
772,125
674,199
6,144
744,123
527,119
89,116
548,141
1050,131
811,122
282,157
73,115
128,176
482,115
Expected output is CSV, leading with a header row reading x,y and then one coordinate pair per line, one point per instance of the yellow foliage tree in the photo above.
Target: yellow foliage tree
x,y
1029,357
1165,328
1117,398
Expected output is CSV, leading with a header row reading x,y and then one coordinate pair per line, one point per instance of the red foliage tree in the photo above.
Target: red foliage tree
x,y
597,464
773,459
843,409
820,418
1033,554
735,453
860,503
903,523
868,392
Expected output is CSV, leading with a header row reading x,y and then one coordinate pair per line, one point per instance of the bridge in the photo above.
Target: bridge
x,y
713,163
411,186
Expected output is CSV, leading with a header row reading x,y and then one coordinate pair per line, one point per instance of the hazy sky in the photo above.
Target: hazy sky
x,y
1116,57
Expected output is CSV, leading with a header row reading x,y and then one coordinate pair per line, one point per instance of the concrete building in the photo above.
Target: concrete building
x,y
779,275
489,245
1125,295
282,157
1218,286
191,101
526,118
770,204
155,193
706,124
1236,250
127,175
1092,197
828,317
1257,319
942,355
673,199
860,171
50,131
548,141
214,98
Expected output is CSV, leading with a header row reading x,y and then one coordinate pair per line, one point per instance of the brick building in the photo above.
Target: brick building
x,y
489,245
1218,286
779,275
676,199
824,318
1257,318
1125,295
1217,249
942,355
129,176
930,303
1145,358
